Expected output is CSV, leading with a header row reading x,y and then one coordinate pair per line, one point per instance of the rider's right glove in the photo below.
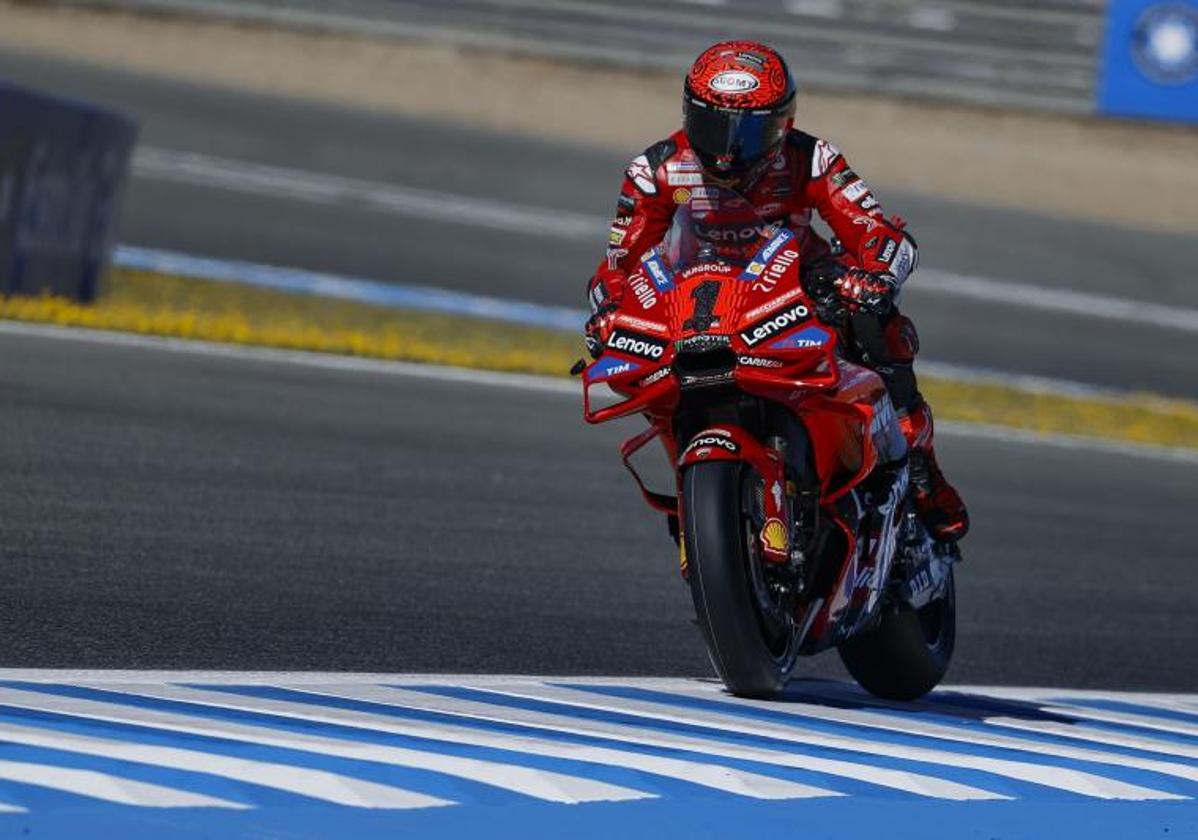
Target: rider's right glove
x,y
868,291
604,293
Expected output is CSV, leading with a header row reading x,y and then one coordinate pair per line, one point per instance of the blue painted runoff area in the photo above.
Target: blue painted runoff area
x,y
1149,65
376,293
324,755
823,820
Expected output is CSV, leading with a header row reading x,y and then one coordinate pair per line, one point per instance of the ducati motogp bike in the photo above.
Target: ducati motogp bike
x,y
790,504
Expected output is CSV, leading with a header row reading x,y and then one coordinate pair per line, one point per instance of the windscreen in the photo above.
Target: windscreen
x,y
715,224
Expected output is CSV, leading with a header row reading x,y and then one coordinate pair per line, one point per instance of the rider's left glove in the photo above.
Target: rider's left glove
x,y
598,329
604,293
867,291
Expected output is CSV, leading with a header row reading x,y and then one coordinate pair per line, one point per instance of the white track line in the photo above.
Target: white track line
x,y
319,188
1074,781
971,735
315,784
916,783
1064,301
539,784
717,777
334,190
107,787
523,382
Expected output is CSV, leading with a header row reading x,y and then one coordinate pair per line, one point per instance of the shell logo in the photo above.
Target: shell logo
x,y
774,535
682,196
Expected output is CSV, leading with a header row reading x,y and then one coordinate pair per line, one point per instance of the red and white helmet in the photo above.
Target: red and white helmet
x,y
738,103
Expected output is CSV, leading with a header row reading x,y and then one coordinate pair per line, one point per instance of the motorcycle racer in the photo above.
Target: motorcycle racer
x,y
738,133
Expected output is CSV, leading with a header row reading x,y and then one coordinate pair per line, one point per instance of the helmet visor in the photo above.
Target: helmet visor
x,y
728,139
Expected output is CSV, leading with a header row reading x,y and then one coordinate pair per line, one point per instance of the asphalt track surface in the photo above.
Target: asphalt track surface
x,y
178,510
386,149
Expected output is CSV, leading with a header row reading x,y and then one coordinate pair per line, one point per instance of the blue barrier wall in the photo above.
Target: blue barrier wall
x,y
63,165
1150,60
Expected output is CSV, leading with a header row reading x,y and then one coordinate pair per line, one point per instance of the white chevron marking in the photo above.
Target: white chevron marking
x,y
1094,734
1160,724
317,784
108,787
540,784
1074,781
892,723
727,779
909,782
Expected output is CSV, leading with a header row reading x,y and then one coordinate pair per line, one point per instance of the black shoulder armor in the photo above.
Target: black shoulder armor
x,y
658,153
802,141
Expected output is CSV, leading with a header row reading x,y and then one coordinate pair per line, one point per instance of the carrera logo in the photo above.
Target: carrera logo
x,y
734,81
771,325
637,344
656,376
754,361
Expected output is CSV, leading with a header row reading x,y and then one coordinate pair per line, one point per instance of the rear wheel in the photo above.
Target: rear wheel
x,y
742,611
906,655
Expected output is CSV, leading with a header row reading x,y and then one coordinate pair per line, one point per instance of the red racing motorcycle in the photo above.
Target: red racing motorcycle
x,y
796,531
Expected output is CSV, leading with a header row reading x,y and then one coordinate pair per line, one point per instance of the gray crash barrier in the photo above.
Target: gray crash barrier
x,y
63,166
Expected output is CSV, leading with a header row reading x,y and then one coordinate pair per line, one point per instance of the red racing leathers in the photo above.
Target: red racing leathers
x,y
806,175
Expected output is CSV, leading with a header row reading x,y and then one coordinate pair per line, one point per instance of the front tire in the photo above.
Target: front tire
x,y
751,649
907,653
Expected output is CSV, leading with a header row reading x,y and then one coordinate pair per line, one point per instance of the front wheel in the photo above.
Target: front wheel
x,y
750,634
907,653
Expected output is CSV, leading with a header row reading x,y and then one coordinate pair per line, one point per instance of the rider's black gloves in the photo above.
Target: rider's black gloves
x,y
597,329
867,291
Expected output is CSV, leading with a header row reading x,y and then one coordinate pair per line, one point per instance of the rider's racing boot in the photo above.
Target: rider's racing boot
x,y
939,505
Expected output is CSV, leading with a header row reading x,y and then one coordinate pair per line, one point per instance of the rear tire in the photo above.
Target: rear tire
x,y
719,574
907,654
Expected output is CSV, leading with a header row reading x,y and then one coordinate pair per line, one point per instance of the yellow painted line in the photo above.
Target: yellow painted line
x,y
152,304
